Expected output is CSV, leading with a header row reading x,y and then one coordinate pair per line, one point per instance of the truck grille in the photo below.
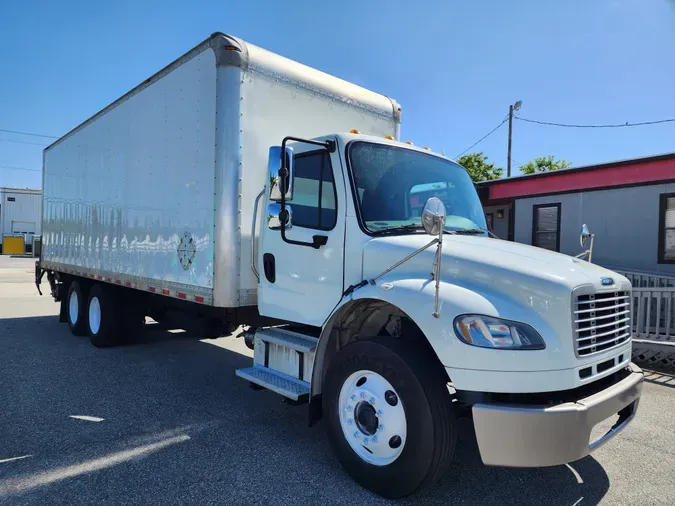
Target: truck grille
x,y
601,321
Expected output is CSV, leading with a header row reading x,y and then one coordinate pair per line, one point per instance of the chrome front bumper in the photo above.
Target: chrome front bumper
x,y
529,436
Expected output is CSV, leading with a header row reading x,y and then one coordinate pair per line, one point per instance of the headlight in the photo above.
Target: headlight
x,y
488,332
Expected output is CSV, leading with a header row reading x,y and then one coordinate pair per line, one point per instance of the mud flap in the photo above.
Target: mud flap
x,y
38,276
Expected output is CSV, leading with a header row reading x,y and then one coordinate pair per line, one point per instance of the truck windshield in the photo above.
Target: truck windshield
x,y
394,183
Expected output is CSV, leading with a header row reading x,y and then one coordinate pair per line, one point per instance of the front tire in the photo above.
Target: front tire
x,y
390,417
76,308
104,317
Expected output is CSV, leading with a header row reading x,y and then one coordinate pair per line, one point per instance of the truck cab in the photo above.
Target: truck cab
x,y
404,314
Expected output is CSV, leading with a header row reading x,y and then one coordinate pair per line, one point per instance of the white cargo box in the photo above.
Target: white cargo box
x,y
156,191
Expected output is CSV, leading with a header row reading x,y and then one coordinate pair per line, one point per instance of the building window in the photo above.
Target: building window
x,y
313,204
546,226
667,229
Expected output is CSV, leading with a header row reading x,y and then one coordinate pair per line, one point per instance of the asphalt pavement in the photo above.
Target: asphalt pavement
x,y
165,421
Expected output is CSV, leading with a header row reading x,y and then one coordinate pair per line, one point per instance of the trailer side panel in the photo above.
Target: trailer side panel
x,y
130,195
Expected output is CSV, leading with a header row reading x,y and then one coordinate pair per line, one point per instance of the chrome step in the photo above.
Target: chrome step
x,y
293,340
275,381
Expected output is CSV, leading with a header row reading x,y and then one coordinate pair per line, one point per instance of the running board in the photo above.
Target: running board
x,y
276,382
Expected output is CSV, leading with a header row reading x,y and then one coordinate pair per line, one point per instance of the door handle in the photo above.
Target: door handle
x,y
319,240
269,266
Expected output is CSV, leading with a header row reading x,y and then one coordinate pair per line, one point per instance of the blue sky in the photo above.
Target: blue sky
x,y
455,66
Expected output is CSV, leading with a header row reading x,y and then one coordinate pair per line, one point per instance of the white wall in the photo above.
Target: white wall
x,y
26,207
625,222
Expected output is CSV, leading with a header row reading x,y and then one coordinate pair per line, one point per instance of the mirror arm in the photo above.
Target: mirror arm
x,y
590,249
437,269
400,262
318,240
588,252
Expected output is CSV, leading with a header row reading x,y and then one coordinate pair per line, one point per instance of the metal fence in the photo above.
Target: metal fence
x,y
653,318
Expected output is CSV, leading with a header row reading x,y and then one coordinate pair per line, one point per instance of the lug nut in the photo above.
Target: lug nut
x,y
379,412
363,394
353,397
374,439
349,407
365,440
372,400
356,434
350,421
380,428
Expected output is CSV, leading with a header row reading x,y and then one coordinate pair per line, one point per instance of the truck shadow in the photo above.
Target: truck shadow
x,y
238,446
663,376
471,482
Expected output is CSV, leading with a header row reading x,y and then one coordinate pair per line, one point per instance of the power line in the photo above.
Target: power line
x,y
14,167
23,142
484,137
27,133
615,125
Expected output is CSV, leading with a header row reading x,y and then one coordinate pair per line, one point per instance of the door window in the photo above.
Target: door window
x,y
314,197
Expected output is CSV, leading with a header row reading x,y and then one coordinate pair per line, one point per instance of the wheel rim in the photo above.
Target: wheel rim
x,y
94,315
372,417
73,307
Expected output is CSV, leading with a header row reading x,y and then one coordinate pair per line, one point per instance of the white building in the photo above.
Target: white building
x,y
20,213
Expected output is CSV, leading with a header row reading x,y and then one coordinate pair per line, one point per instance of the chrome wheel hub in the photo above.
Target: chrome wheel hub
x,y
372,418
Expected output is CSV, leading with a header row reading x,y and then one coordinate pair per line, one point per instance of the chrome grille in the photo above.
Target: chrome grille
x,y
602,321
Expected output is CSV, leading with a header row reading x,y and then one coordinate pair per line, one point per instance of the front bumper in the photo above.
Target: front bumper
x,y
531,436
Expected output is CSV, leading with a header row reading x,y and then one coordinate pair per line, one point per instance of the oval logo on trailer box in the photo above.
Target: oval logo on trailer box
x,y
607,281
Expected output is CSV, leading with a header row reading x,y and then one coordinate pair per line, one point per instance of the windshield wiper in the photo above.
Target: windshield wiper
x,y
469,231
474,231
403,228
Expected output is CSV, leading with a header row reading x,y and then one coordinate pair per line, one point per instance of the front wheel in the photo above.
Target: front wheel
x,y
391,421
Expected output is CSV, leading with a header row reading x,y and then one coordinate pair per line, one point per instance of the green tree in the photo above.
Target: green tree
x,y
479,168
544,164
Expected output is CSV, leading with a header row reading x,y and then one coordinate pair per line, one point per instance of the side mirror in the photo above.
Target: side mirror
x,y
275,218
433,216
279,183
585,235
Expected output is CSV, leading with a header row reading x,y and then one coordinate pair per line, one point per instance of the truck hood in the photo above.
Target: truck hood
x,y
479,259
515,281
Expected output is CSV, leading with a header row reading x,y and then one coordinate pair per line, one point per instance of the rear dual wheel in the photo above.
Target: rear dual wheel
x,y
76,308
104,317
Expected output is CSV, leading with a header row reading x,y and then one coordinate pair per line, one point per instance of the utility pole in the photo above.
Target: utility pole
x,y
508,156
512,108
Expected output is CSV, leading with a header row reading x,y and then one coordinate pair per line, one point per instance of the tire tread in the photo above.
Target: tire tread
x,y
423,364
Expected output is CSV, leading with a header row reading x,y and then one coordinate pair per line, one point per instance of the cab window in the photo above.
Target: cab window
x,y
314,197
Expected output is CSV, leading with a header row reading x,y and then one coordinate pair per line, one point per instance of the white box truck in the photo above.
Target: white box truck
x,y
225,187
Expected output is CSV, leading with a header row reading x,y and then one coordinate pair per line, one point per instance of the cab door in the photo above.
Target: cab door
x,y
301,274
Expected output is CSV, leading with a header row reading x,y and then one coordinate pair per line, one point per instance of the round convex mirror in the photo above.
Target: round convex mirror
x,y
433,216
585,234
